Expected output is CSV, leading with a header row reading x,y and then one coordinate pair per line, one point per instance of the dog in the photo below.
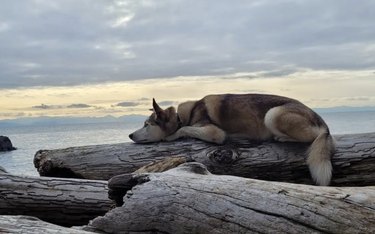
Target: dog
x,y
260,117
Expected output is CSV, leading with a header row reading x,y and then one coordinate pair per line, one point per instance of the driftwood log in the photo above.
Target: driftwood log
x,y
65,202
354,161
32,225
188,199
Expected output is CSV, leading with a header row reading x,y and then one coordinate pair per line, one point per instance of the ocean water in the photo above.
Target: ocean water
x,y
30,139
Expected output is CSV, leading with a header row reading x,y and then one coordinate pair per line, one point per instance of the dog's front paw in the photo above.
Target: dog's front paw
x,y
178,134
171,138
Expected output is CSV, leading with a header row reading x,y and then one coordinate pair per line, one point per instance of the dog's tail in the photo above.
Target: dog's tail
x,y
319,158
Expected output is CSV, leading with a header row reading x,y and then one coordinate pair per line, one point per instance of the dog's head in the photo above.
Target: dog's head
x,y
158,126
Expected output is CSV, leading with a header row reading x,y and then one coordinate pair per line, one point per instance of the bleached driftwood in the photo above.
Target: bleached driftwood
x,y
32,225
188,199
61,201
354,161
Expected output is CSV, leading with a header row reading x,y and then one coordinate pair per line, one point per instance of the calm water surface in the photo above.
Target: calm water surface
x,y
29,140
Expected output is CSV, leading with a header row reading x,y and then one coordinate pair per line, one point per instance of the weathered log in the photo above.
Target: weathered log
x,y
32,225
353,163
188,199
65,202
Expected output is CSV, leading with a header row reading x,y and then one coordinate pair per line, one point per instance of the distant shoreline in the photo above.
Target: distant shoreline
x,y
134,119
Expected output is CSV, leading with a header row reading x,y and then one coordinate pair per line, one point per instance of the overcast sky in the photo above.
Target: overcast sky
x,y
65,42
45,43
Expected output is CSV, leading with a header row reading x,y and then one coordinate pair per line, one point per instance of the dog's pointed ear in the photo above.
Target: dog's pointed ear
x,y
158,111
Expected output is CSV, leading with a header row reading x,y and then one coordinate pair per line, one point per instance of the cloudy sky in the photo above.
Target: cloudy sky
x,y
99,57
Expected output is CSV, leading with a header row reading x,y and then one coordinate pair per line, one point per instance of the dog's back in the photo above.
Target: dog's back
x,y
241,115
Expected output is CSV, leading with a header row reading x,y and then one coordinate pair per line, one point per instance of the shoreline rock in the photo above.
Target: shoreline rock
x,y
2,170
6,144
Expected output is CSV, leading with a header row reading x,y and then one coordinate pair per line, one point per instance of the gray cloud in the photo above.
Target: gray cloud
x,y
358,98
13,114
49,107
278,73
65,43
79,105
45,107
127,104
166,103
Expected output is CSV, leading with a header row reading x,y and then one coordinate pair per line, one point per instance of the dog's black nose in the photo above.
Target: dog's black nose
x,y
131,136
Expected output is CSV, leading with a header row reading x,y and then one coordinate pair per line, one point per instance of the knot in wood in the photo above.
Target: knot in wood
x,y
223,156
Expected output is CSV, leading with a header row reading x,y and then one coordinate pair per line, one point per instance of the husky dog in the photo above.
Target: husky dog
x,y
215,118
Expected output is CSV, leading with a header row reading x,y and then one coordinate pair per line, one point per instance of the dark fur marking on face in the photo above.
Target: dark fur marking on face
x,y
154,120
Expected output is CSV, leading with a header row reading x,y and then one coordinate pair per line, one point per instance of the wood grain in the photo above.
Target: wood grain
x,y
31,225
188,199
353,163
60,201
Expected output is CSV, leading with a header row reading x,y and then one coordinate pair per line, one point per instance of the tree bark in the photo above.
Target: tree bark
x,y
188,199
65,202
353,163
32,225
